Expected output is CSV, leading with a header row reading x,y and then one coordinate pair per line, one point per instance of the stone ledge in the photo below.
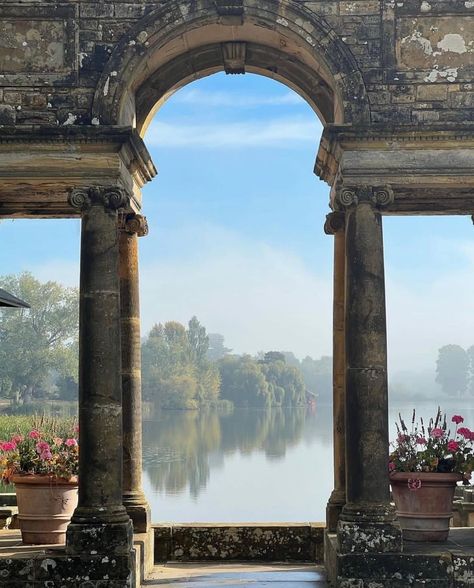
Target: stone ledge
x,y
239,542
439,565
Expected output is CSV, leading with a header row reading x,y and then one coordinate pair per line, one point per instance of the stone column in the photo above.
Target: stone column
x,y
367,522
335,225
100,524
132,227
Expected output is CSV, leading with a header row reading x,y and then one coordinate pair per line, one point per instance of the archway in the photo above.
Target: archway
x,y
173,45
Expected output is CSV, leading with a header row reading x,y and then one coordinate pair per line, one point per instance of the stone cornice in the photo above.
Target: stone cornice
x,y
339,138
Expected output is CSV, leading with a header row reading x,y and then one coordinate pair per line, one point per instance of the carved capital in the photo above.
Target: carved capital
x,y
348,196
134,224
335,222
110,197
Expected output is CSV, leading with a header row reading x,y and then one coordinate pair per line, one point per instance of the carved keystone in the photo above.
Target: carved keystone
x,y
233,55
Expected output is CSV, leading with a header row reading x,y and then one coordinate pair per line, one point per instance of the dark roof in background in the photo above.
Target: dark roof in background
x,y
7,299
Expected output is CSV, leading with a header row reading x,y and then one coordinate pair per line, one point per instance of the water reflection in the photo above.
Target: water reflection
x,y
182,447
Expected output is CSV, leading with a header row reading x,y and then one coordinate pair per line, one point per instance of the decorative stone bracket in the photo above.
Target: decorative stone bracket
x,y
134,224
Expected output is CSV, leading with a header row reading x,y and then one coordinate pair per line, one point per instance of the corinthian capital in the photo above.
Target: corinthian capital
x,y
349,196
110,197
134,224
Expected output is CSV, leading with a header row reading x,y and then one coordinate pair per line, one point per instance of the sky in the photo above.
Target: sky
x,y
236,219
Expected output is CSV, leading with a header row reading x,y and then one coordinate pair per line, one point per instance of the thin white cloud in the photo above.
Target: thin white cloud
x,y
196,97
276,133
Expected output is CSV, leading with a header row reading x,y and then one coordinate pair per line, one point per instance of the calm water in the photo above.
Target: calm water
x,y
248,465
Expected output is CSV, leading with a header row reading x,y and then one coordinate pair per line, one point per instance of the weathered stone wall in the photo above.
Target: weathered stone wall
x,y
416,56
239,542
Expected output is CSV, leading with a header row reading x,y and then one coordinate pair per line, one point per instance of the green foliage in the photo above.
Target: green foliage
x,y
37,342
176,373
268,382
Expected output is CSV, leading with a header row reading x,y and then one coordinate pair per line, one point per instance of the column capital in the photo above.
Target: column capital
x,y
335,222
110,197
349,196
134,224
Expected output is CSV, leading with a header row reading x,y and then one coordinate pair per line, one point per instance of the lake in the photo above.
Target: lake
x,y
247,465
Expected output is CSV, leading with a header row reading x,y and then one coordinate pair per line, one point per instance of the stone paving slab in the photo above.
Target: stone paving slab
x,y
237,576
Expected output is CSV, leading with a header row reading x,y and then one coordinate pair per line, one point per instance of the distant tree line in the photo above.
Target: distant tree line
x,y
182,366
455,370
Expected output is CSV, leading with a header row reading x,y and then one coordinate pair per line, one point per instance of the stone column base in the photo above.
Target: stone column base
x,y
334,507
91,538
369,528
139,512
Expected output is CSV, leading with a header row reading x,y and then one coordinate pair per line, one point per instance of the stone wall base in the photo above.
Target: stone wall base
x,y
449,565
277,542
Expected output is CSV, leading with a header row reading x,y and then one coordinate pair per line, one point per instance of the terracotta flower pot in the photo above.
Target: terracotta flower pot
x,y
45,507
424,503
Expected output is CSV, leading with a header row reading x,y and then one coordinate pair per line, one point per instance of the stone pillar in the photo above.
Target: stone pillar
x,y
100,524
132,227
367,522
335,225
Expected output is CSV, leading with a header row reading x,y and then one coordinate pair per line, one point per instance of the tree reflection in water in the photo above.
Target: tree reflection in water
x,y
182,447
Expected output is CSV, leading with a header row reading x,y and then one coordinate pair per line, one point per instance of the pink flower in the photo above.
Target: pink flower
x,y
453,445
402,438
17,439
437,433
464,432
8,446
76,429
457,419
421,441
58,441
46,454
42,446
391,466
34,435
70,442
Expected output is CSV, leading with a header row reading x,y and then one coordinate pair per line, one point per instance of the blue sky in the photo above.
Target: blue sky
x,y
236,237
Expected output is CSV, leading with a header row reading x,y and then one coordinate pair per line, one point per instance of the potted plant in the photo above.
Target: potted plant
x,y
425,466
43,465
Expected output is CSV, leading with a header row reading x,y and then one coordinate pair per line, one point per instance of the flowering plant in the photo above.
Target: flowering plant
x,y
434,449
40,452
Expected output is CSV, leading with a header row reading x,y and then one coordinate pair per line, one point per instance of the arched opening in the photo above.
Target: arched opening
x,y
236,239
172,46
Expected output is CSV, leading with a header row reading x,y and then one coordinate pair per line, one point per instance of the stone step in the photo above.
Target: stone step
x,y
237,575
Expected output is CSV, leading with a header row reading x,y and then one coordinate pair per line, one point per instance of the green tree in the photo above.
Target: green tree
x,y
176,373
452,369
37,341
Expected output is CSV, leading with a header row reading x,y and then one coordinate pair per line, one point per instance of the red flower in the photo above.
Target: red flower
x,y
34,435
391,466
453,445
457,419
437,433
464,432
70,442
421,441
8,446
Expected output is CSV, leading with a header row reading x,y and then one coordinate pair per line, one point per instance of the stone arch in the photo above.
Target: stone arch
x,y
177,43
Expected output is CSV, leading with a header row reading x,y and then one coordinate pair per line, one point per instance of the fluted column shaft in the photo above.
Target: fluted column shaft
x,y
100,523
367,521
134,500
335,225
